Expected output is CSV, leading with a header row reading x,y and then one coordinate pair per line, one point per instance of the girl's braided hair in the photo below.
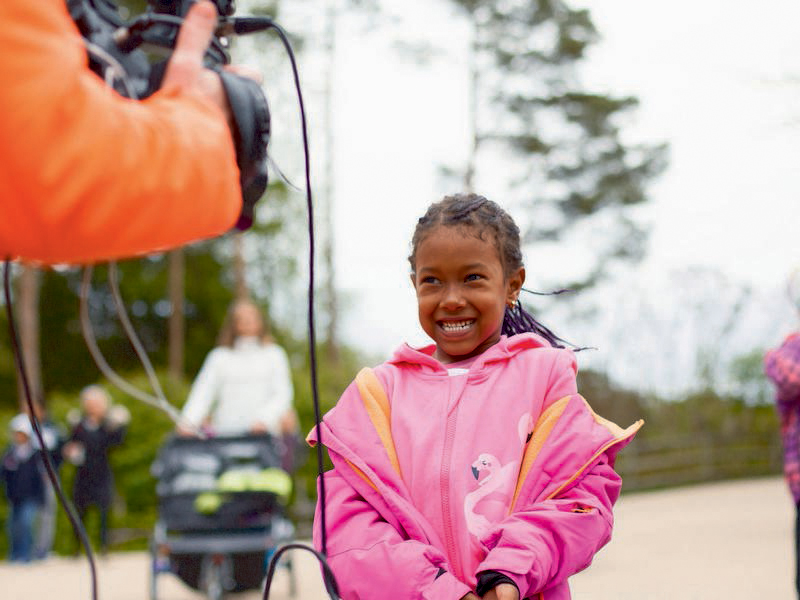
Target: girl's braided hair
x,y
481,215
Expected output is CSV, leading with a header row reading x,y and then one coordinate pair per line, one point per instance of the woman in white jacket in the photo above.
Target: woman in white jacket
x,y
244,385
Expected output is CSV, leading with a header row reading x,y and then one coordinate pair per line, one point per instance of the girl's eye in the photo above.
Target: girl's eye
x,y
473,277
429,279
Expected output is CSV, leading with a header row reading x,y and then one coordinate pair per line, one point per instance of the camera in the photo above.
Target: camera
x,y
140,48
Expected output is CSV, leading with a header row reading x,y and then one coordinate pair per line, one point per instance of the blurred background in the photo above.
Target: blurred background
x,y
648,153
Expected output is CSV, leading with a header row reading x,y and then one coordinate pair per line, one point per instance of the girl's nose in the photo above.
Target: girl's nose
x,y
452,299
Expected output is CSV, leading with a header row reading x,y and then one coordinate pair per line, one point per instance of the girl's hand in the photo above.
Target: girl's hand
x,y
504,591
258,428
470,596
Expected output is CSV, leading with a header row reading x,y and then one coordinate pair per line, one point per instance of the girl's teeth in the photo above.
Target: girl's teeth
x,y
451,327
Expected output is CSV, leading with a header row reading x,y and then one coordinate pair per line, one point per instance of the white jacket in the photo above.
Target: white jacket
x,y
240,387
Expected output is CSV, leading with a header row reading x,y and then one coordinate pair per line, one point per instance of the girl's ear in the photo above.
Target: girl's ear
x,y
514,285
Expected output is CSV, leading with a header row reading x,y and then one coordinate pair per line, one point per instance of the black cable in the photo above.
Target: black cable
x,y
327,575
245,25
329,579
19,361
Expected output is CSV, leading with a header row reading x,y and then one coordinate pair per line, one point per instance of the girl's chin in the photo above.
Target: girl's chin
x,y
450,353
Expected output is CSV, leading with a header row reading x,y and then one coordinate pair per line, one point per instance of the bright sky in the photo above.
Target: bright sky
x,y
714,81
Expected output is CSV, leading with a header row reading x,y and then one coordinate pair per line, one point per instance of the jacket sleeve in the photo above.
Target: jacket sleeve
x,y
561,381
204,391
115,436
280,400
782,367
88,175
369,557
546,542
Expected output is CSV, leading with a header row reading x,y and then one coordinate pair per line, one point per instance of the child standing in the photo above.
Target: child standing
x,y
21,474
97,430
469,468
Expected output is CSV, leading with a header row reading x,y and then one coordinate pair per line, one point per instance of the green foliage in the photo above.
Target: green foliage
x,y
609,400
705,437
8,379
67,364
134,511
564,140
747,372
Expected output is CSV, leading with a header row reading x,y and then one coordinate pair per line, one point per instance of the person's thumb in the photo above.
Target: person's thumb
x,y
194,36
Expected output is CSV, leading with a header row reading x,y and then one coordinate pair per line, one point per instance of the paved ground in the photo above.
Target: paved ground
x,y
722,541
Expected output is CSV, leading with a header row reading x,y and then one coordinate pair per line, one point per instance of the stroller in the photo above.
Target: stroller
x,y
221,513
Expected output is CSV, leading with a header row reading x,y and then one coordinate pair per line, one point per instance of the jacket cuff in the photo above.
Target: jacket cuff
x,y
445,587
488,580
522,581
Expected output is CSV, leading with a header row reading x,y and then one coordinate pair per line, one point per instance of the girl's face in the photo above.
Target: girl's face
x,y
247,320
462,292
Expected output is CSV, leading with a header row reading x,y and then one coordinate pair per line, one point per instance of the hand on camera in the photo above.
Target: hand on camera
x,y
235,91
185,69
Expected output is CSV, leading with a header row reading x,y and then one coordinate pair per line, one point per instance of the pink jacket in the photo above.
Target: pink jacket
x,y
504,468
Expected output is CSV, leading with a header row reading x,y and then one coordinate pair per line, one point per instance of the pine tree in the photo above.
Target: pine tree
x,y
567,161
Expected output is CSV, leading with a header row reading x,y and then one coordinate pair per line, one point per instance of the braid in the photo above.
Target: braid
x,y
518,320
476,213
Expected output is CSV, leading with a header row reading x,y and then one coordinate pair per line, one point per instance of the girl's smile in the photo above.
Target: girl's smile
x,y
456,327
462,291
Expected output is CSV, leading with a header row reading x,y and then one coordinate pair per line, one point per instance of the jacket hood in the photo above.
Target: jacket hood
x,y
507,347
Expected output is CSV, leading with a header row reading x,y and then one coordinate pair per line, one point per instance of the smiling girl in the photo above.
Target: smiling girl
x,y
469,468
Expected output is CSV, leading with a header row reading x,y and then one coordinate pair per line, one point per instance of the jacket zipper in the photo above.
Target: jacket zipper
x,y
444,481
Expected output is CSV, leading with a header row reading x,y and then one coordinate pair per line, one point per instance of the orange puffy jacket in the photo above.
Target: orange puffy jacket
x,y
87,175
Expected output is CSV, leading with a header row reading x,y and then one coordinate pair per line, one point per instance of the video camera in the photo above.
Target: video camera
x,y
114,43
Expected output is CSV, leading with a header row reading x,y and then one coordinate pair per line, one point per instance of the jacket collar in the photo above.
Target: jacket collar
x,y
422,358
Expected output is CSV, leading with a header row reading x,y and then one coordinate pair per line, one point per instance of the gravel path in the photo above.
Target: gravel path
x,y
722,541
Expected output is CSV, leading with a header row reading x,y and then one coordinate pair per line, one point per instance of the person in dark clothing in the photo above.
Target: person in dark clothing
x,y
21,475
96,431
54,439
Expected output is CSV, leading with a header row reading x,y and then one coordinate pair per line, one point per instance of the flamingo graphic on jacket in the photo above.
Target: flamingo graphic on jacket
x,y
489,503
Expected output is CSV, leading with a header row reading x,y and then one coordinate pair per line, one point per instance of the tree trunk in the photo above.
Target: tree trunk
x,y
241,289
469,172
177,324
28,323
327,216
